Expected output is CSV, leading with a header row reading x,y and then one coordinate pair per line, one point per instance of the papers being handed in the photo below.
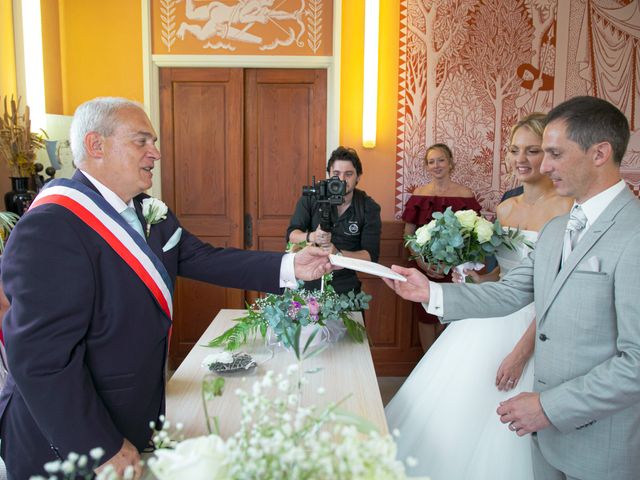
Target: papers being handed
x,y
365,267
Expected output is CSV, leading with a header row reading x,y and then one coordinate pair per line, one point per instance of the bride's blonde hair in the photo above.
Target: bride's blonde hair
x,y
535,122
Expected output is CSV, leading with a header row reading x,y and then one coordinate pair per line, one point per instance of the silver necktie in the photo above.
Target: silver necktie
x,y
575,225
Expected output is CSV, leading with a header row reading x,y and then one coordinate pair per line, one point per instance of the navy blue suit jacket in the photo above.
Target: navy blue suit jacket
x,y
85,340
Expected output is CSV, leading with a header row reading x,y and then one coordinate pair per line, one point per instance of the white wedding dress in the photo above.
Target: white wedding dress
x,y
446,410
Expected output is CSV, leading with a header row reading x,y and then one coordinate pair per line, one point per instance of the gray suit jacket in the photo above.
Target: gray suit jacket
x,y
587,353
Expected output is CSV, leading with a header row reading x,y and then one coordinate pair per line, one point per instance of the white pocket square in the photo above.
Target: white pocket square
x,y
173,241
591,264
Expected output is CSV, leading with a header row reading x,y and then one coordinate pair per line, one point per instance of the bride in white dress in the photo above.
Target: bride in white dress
x,y
445,412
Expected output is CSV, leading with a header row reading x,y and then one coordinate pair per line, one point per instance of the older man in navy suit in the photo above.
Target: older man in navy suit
x,y
90,292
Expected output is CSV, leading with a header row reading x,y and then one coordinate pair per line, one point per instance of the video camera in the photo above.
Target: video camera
x,y
327,193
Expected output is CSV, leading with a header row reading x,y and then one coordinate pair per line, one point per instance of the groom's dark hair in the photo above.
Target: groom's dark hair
x,y
590,120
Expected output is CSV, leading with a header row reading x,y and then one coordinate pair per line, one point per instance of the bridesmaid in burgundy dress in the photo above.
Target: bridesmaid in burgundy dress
x,y
436,196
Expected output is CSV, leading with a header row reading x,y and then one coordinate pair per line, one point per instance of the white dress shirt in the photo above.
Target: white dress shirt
x,y
287,268
592,209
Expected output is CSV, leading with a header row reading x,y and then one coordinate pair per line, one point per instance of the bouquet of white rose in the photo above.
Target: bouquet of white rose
x,y
459,239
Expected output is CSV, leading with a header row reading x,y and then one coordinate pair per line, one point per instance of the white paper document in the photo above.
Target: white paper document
x,y
365,267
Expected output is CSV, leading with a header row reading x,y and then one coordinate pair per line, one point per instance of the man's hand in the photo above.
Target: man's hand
x,y
128,456
311,263
416,288
523,413
322,238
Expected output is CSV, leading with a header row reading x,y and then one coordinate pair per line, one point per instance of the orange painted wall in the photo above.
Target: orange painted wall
x,y
379,162
100,51
7,55
52,66
7,73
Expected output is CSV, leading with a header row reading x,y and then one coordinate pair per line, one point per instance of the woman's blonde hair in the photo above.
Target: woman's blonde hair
x,y
535,122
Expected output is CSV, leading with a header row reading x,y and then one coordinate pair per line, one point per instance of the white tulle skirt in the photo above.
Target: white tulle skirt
x,y
446,410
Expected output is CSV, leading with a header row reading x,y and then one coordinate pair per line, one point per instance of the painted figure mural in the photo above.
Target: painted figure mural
x,y
241,26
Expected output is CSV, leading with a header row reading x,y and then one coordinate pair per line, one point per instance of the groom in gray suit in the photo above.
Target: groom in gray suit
x,y
584,414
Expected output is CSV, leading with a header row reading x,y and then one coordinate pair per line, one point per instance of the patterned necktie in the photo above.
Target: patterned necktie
x,y
575,225
129,214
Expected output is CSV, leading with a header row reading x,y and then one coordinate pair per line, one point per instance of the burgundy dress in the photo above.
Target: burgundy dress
x,y
418,210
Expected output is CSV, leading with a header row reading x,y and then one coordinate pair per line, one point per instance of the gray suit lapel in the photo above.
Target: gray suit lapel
x,y
591,237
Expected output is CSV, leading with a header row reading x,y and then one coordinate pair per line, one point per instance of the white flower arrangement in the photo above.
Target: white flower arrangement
x,y
153,211
460,238
279,438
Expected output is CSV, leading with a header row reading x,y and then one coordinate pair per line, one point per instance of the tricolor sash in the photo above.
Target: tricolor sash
x,y
100,216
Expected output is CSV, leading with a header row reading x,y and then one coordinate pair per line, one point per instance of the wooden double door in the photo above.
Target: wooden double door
x,y
237,146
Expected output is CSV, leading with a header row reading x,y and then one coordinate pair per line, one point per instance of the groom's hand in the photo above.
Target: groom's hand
x,y
311,263
523,413
416,288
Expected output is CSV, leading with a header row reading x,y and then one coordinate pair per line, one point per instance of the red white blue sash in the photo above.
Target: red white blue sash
x,y
100,216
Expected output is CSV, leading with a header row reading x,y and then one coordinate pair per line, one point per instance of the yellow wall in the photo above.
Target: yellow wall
x,y
52,65
7,74
379,162
100,51
7,52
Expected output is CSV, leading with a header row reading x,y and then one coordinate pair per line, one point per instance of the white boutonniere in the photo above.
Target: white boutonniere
x,y
153,211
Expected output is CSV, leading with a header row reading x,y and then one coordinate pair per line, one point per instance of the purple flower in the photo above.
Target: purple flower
x,y
314,307
293,309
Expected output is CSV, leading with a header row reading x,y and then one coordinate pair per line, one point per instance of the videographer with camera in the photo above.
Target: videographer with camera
x,y
336,215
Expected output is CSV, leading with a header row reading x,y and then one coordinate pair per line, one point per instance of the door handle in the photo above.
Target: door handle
x,y
248,231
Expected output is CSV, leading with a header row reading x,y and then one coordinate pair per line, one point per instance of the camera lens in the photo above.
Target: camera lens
x,y
335,187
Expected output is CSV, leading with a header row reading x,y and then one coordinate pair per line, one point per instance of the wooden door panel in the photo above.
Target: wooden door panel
x,y
285,137
283,141
202,171
200,178
382,328
238,142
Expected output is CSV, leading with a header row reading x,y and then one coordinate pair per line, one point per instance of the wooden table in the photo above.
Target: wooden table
x,y
346,368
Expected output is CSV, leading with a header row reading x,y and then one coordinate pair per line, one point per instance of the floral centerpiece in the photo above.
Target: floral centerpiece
x,y
278,438
460,239
282,314
18,144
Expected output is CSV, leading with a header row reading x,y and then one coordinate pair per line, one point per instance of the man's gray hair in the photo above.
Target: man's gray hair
x,y
98,115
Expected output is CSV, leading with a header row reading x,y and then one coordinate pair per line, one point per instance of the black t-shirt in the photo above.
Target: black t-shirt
x,y
358,228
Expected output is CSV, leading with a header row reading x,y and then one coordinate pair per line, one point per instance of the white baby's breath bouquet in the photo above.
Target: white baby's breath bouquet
x,y
280,439
457,238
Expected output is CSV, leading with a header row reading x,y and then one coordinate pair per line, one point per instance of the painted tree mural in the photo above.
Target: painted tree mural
x,y
492,55
469,69
438,27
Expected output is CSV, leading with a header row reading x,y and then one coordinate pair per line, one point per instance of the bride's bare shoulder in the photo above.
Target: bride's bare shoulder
x,y
504,209
559,205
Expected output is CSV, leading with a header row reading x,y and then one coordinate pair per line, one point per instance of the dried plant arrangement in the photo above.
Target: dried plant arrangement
x,y
18,144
